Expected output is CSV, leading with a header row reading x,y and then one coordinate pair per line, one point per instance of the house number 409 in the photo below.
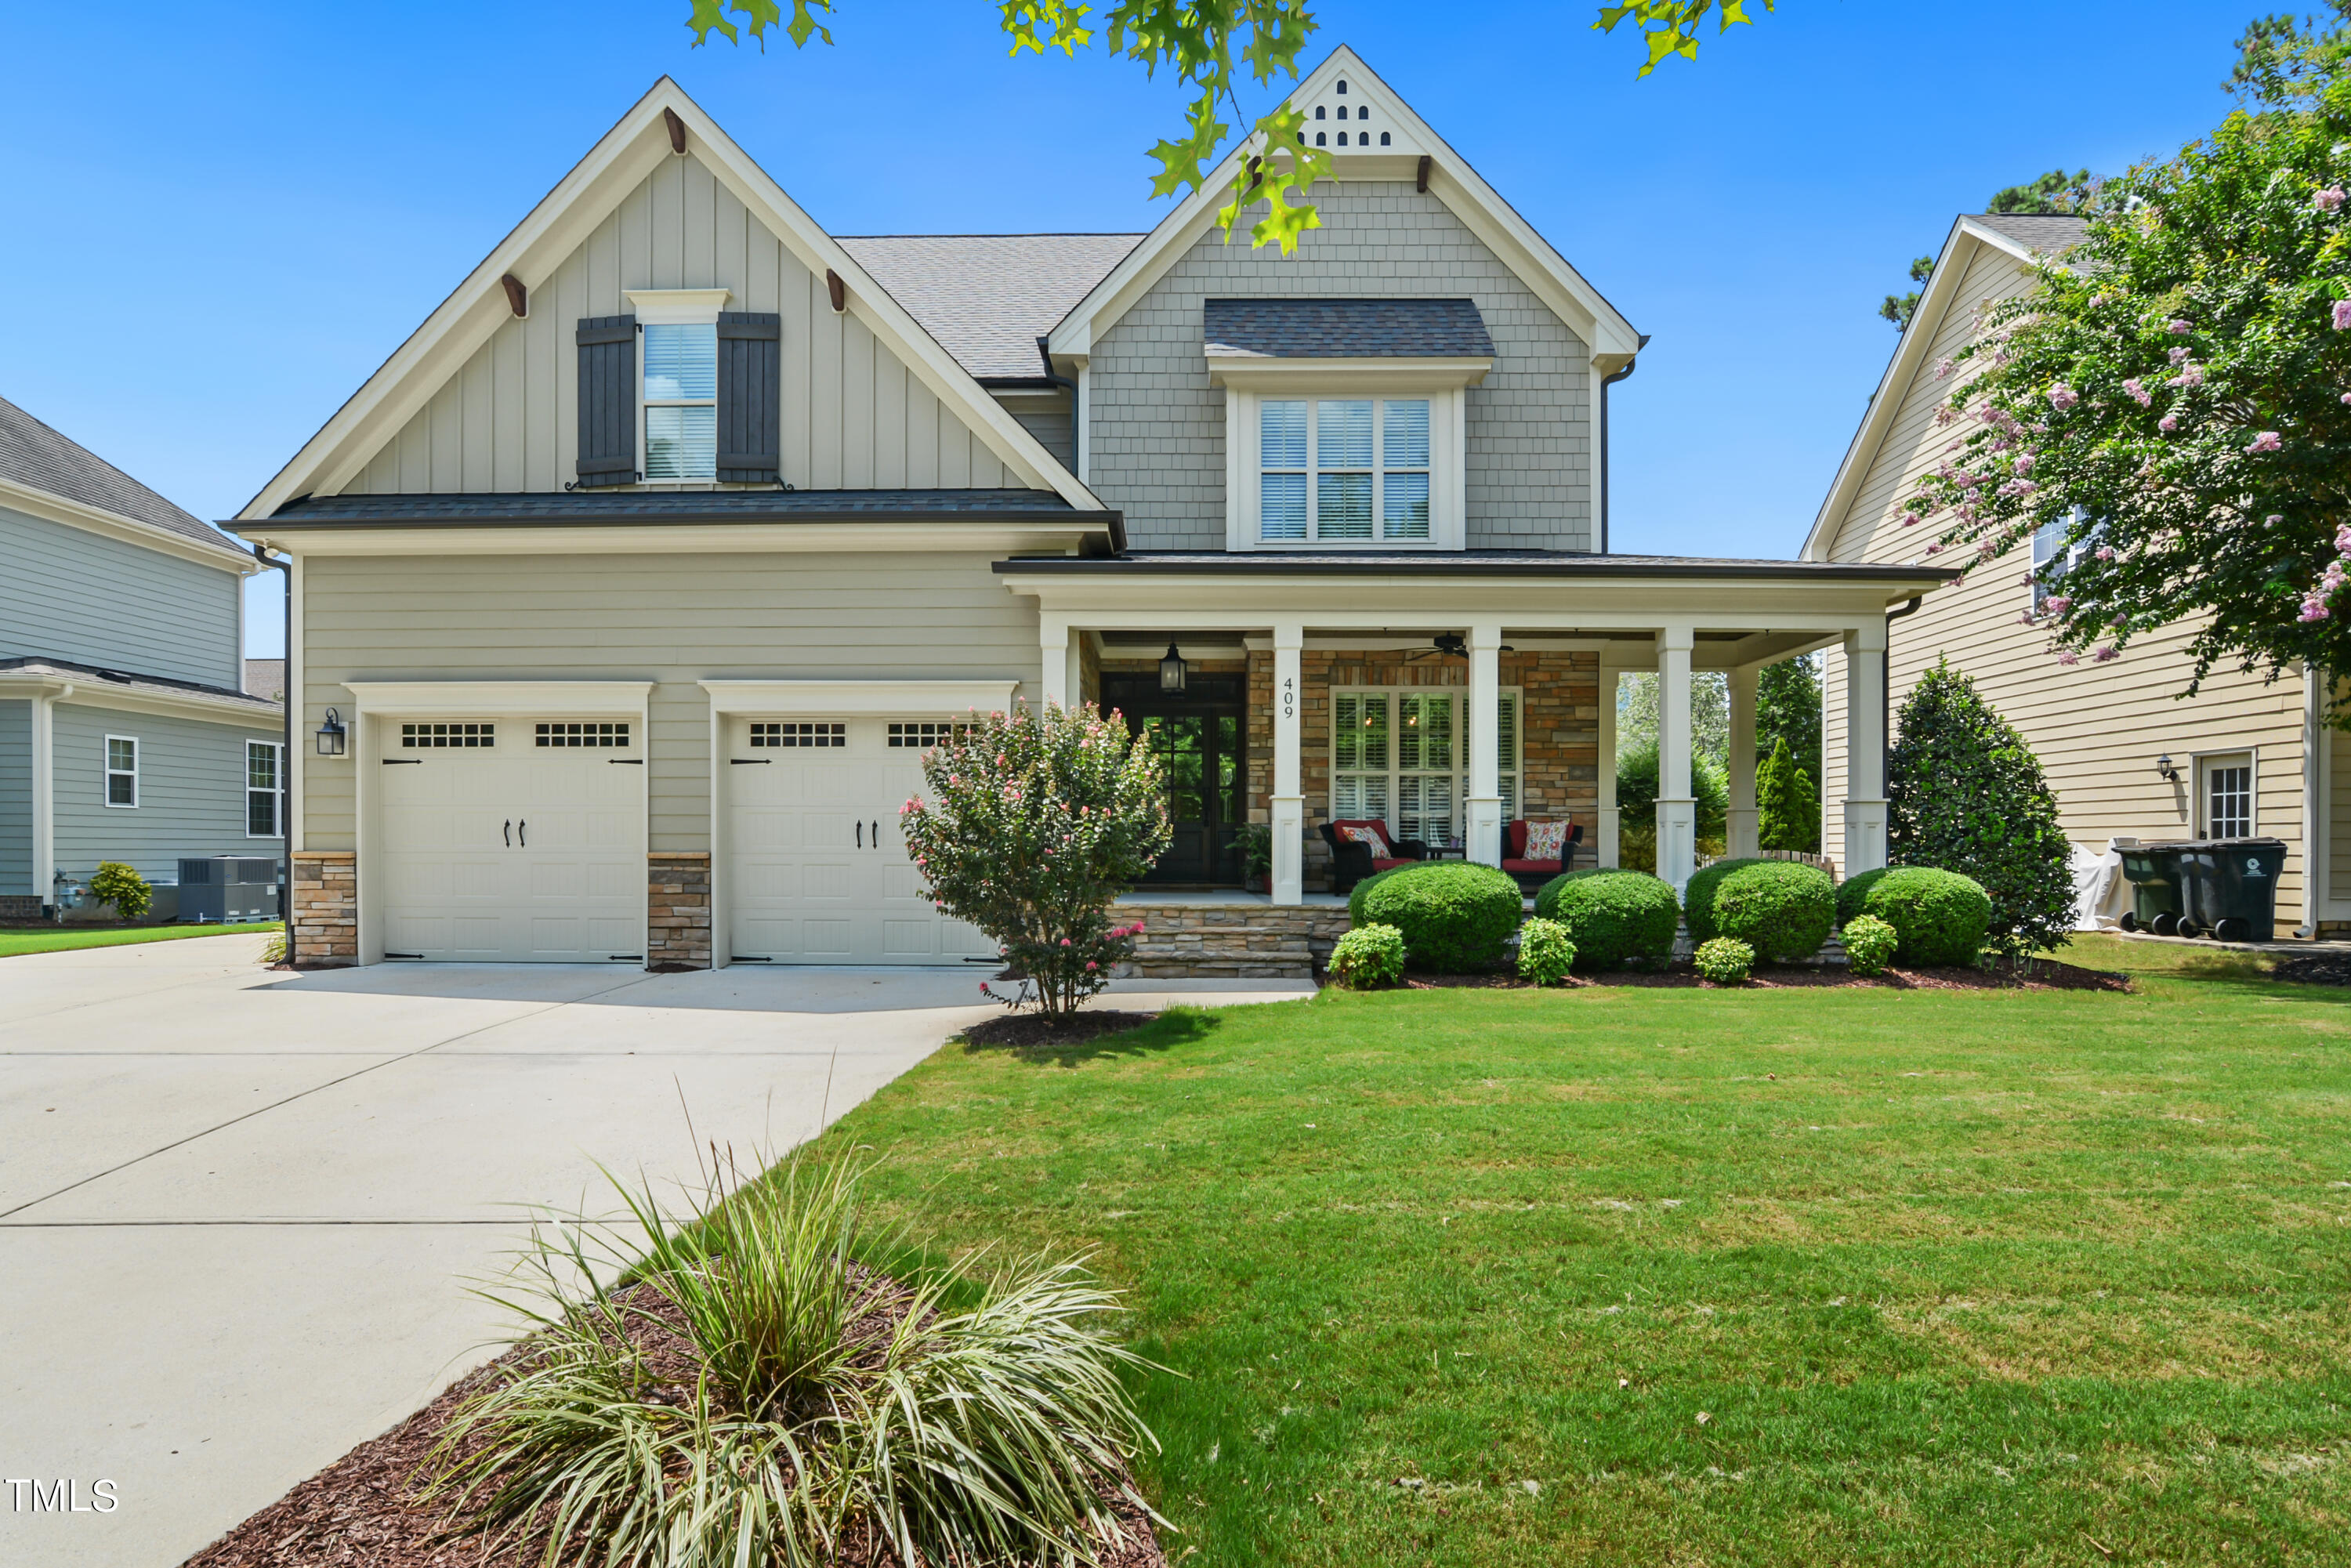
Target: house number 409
x,y
1289,699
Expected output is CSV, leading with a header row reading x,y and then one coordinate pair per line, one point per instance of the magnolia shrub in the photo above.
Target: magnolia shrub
x,y
1032,823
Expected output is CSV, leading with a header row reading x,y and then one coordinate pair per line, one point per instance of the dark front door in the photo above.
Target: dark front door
x,y
1200,741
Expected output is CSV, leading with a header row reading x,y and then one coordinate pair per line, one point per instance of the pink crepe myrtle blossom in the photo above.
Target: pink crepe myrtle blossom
x,y
2343,538
2313,609
2327,199
2105,552
2063,397
1935,549
2026,617
2067,657
2189,375
2267,441
1944,367
2058,604
2180,328
1909,519
2179,356
2107,652
2342,315
2169,423
2138,393
2025,461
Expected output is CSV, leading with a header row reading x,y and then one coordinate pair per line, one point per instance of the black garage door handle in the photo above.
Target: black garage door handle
x,y
509,832
522,832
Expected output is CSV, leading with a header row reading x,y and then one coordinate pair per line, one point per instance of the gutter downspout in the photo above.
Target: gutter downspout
x,y
1077,440
45,800
1885,678
2316,826
285,569
1605,382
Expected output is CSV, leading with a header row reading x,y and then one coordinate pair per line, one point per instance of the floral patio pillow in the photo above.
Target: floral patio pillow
x,y
1546,841
1371,839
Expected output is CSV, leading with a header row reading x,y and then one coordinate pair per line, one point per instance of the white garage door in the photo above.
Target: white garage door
x,y
513,840
817,872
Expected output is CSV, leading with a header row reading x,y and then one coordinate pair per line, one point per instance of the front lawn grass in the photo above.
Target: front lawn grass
x,y
57,939
1761,1277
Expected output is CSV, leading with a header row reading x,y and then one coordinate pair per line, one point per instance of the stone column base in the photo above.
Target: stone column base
x,y
677,908
322,926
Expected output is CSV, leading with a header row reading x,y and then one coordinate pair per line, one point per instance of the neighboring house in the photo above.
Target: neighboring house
x,y
2239,755
633,586
125,730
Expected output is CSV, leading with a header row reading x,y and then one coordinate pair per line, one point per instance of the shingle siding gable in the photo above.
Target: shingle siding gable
x,y
1158,446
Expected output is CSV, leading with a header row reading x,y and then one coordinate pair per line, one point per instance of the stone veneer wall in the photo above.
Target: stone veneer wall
x,y
1231,941
322,931
677,902
1558,721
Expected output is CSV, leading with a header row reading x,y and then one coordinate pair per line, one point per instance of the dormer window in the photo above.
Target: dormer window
x,y
681,401
1346,470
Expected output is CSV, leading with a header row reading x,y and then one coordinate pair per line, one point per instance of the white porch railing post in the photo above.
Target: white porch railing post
x,y
1609,844
1288,802
1483,841
1058,648
1677,808
1864,763
1744,820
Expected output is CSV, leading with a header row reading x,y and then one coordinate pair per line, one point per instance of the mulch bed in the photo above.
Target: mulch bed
x,y
363,1511
2314,972
2034,975
1029,1030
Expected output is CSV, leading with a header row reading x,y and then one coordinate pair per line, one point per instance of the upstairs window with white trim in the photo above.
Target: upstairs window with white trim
x,y
121,770
2052,558
264,797
1343,470
681,400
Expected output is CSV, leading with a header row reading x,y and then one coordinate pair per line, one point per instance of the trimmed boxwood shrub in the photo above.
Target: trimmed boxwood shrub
x,y
1698,895
1783,909
1368,955
1455,914
1363,891
1940,917
1853,892
1724,961
1612,916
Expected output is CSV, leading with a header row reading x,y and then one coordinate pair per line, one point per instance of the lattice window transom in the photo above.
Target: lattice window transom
x,y
922,735
436,735
575,732
785,733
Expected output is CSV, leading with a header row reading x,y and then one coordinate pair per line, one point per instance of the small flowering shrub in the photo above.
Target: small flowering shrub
x,y
1368,955
1034,822
1870,943
1546,952
1724,961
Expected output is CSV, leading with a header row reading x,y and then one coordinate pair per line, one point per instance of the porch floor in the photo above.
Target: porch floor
x,y
1224,898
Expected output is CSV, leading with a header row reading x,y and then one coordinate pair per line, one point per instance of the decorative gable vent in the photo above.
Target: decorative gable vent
x,y
1343,117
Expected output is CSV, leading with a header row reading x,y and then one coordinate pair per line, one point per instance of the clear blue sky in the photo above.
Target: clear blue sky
x,y
220,219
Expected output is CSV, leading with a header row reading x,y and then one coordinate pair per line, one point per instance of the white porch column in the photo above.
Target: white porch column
x,y
1483,839
1677,808
1608,843
1288,799
1865,762
1058,647
1743,819
45,798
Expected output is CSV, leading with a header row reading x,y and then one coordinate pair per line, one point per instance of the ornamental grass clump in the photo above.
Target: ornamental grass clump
x,y
1614,918
1036,821
751,1395
1546,952
1723,961
1455,914
1870,943
1367,956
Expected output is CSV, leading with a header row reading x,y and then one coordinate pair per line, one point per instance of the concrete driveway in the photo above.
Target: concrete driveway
x,y
238,1208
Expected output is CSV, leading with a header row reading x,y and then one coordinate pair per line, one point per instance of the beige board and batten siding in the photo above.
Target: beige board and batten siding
x,y
854,417
2097,729
673,620
1156,445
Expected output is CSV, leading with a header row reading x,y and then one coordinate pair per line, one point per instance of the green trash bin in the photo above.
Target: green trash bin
x,y
2230,887
2152,871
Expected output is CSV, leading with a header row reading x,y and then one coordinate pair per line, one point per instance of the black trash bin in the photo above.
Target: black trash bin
x,y
2152,871
2230,887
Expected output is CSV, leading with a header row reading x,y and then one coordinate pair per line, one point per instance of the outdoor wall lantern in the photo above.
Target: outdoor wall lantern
x,y
1172,670
2165,770
330,734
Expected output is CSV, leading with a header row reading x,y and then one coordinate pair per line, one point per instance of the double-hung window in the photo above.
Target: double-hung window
x,y
1343,470
681,401
264,797
2227,795
2052,558
1402,757
121,770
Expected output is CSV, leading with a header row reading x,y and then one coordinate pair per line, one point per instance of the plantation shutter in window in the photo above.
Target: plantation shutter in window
x,y
608,400
750,385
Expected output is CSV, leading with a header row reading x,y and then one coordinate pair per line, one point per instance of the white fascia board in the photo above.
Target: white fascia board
x,y
1259,372
1610,337
1407,601
54,509
563,220
86,692
858,699
926,535
1902,370
499,697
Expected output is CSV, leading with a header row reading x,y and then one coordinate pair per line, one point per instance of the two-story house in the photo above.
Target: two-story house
x,y
629,590
2127,755
126,731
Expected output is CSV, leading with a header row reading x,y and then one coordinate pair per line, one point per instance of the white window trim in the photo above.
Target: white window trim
x,y
277,809
108,773
671,308
1516,772
1448,450
2037,591
2200,802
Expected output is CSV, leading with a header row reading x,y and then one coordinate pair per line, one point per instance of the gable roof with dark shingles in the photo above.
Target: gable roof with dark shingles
x,y
1346,328
989,298
38,458
2049,233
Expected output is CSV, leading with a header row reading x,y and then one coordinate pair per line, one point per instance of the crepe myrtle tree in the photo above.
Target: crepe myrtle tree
x,y
1034,821
2169,405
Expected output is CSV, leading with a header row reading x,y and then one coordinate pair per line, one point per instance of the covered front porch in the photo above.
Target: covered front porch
x,y
1447,696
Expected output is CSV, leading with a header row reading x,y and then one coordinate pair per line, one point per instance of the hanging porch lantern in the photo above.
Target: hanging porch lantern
x,y
330,734
1172,670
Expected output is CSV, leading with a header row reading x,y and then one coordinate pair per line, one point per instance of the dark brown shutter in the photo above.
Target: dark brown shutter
x,y
750,389
608,400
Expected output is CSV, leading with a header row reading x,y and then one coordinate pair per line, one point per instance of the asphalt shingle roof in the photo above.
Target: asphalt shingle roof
x,y
266,678
670,506
989,298
37,456
2047,235
156,686
1346,328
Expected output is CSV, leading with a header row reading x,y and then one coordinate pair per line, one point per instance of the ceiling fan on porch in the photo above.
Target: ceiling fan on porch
x,y
1449,646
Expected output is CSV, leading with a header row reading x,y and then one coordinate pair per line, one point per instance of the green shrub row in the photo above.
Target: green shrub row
x,y
1939,917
